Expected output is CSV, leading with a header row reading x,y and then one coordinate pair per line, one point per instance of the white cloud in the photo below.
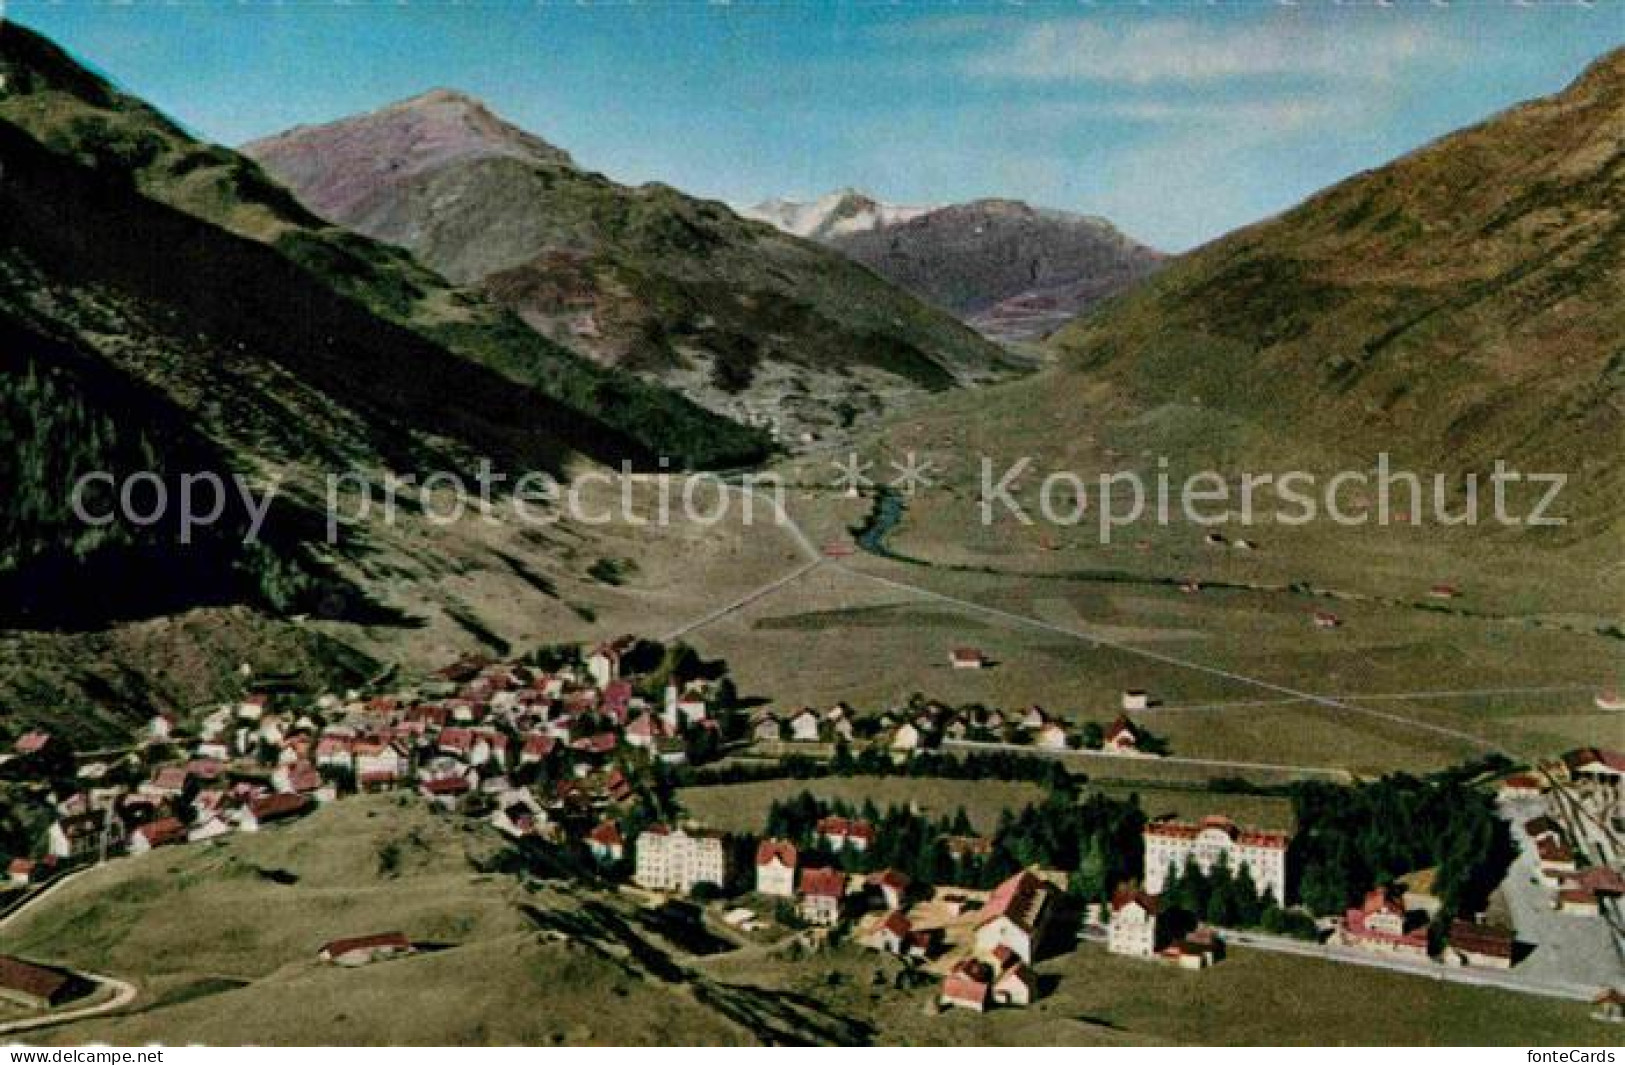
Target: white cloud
x,y
1181,51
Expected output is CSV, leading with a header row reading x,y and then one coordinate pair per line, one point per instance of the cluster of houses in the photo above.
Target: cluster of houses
x,y
1592,780
927,726
538,752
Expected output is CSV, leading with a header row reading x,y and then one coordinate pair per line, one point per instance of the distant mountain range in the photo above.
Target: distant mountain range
x,y
735,315
1012,271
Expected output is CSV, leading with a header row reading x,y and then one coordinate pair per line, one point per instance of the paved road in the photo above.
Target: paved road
x,y
1340,775
1508,980
123,992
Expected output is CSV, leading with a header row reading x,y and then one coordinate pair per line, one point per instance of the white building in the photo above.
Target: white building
x,y
1133,927
776,868
1168,844
671,859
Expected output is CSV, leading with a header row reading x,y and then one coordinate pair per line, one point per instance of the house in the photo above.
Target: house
x,y
1133,927
271,809
85,835
1381,925
1479,945
776,868
1136,699
967,985
1444,591
838,833
160,727
892,886
906,738
536,749
364,950
672,859
606,843
1522,786
891,935
604,661
1199,950
1609,700
160,833
167,782
1582,902
804,727
36,987
445,792
1610,1006
1122,736
1169,844
212,826
967,658
823,896
1052,737
767,728
1326,620
1015,986
1016,916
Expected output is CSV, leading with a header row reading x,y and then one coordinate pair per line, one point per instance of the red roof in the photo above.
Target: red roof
x,y
33,742
770,849
30,979
823,883
380,941
897,924
1019,898
274,807
607,834
1481,939
162,832
1124,896
1245,837
446,786
967,981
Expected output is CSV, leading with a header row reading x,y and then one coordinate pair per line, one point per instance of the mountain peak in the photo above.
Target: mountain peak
x,y
845,210
421,133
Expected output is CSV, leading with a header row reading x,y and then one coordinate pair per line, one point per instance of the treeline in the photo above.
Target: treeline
x,y
1350,839
1231,899
1097,841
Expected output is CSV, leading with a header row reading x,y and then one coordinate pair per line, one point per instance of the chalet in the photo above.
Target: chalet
x,y
364,950
1133,927
823,896
1444,591
967,985
776,868
1326,620
36,987
85,835
604,661
160,833
1479,945
767,728
1199,950
1016,916
1381,925
271,809
1122,736
1136,699
891,885
804,727
1522,786
1609,1006
967,658
838,833
606,843
1015,986
891,935
1052,737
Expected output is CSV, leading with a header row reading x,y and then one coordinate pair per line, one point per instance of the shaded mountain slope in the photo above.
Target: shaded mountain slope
x,y
1011,270
742,318
605,415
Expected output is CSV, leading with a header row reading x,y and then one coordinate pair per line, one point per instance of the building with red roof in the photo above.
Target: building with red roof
x,y
1015,916
776,868
1381,925
967,985
823,896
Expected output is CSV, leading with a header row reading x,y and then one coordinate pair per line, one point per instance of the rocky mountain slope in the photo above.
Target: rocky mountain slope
x,y
1012,271
740,317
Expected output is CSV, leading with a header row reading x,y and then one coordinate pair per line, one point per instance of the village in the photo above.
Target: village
x,y
575,752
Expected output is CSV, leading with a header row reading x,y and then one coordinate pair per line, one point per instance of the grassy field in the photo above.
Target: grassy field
x,y
1097,999
743,807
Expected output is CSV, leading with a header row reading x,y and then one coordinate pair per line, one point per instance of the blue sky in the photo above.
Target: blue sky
x,y
1179,121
